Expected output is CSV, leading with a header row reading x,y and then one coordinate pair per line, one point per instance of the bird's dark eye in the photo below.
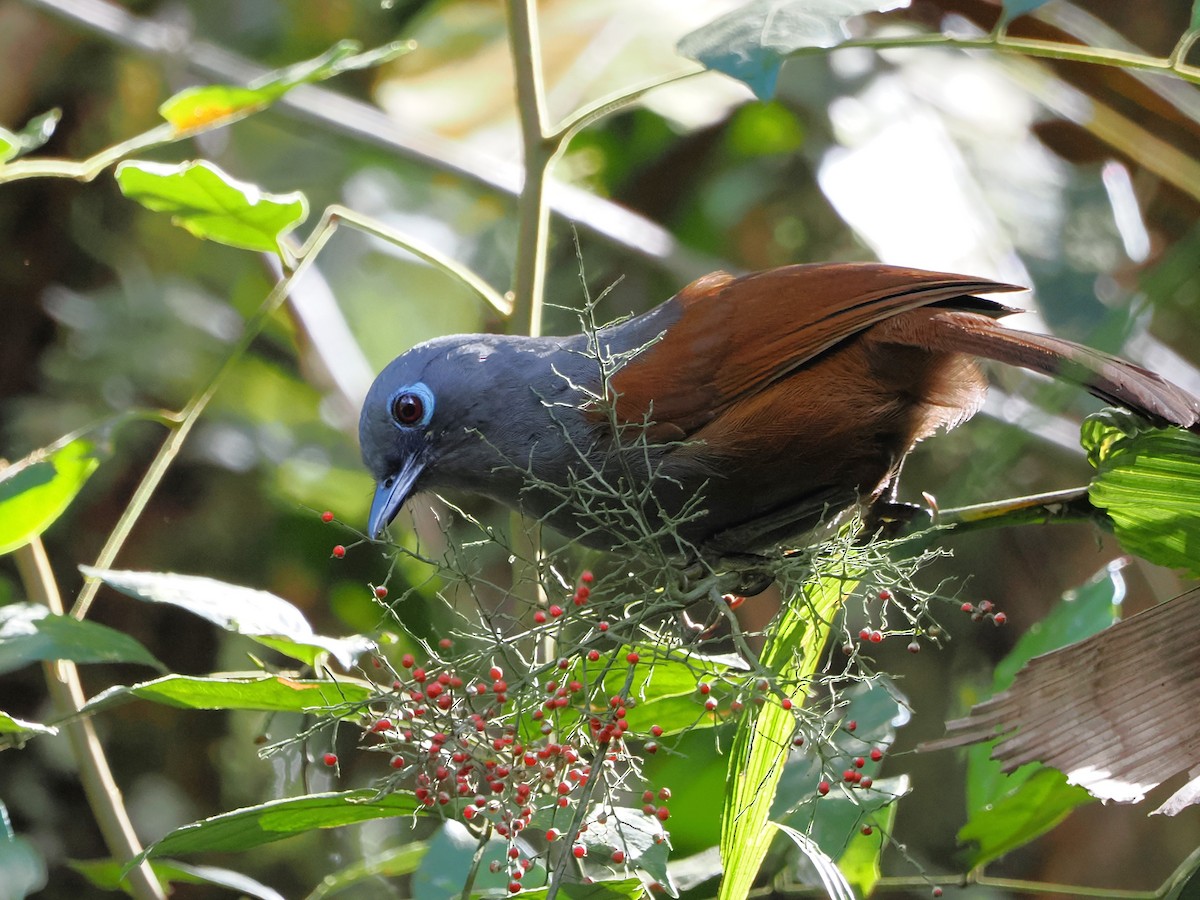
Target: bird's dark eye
x,y
408,408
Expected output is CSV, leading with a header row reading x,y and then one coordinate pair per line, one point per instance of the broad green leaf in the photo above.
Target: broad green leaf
x,y
1148,481
1039,802
1184,883
35,133
1007,811
253,826
30,633
1015,8
212,205
11,725
238,691
259,615
199,106
22,869
38,489
400,860
752,42
109,875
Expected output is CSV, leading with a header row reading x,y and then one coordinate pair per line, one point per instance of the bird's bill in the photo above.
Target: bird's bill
x,y
390,495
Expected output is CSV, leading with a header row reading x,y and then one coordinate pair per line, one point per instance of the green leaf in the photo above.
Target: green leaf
x,y
253,826
1148,481
401,860
860,861
1014,8
1040,801
196,107
832,880
35,133
30,633
444,867
1184,883
21,728
639,836
237,691
109,875
22,869
265,618
1008,811
1195,24
38,489
752,42
212,205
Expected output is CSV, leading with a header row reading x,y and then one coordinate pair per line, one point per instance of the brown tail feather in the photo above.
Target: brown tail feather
x,y
1111,379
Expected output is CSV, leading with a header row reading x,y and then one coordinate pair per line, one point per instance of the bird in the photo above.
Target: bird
x,y
743,414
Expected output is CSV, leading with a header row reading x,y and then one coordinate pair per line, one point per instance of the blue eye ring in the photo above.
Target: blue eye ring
x,y
412,406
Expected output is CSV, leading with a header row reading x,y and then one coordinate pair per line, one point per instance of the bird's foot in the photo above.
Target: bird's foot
x,y
888,519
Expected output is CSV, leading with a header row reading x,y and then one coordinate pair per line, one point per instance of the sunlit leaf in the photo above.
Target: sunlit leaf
x,y
860,861
36,132
30,633
212,205
640,837
11,725
1148,481
22,868
752,42
1007,811
207,104
253,826
38,489
237,691
764,735
262,616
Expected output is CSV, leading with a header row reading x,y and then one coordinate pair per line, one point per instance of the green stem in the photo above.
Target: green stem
x,y
66,693
540,148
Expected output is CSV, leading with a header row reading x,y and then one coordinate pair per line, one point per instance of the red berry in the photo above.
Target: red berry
x,y
986,606
656,730
967,607
581,594
851,725
397,762
664,793
407,661
330,759
798,741
866,829
514,887
876,637
496,673
786,703
553,835
339,551
593,655
618,856
710,704
704,687
539,617
381,592
734,601
885,594
327,516
603,626
937,892
382,725
999,618
555,610
651,747
632,658
866,782
823,788
579,851
663,814
876,754
587,577
914,647
865,634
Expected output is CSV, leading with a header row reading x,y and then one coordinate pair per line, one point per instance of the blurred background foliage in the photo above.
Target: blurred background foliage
x,y
988,164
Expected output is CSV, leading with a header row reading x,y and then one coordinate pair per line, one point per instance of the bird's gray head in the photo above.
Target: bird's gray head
x,y
467,412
